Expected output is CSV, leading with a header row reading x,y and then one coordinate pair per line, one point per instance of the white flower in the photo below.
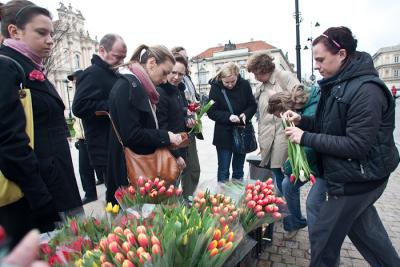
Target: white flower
x,y
302,177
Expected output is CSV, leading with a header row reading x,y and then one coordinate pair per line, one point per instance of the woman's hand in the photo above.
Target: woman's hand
x,y
190,123
292,116
294,134
181,163
175,139
234,119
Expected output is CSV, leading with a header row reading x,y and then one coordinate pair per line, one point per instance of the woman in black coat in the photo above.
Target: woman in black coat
x,y
45,174
133,101
172,109
240,95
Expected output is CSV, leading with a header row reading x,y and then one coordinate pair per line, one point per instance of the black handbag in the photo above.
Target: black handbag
x,y
244,139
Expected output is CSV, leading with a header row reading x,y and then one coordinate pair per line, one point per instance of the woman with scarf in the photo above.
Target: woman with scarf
x,y
44,173
133,107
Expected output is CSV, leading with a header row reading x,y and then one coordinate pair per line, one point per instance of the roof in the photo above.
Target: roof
x,y
387,49
252,46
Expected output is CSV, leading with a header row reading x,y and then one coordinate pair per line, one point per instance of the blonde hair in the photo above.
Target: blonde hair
x,y
283,101
226,70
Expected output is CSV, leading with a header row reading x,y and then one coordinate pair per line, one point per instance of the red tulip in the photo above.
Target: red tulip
x,y
178,191
142,191
107,264
140,181
143,240
131,190
154,240
269,181
258,208
113,247
161,190
276,215
44,248
119,257
213,252
131,238
126,246
251,204
156,249
127,263
217,234
112,237
118,230
147,186
312,179
260,214
292,178
269,208
130,255
141,229
74,227
103,244
140,251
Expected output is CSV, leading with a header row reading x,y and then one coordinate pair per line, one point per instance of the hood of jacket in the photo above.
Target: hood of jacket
x,y
359,65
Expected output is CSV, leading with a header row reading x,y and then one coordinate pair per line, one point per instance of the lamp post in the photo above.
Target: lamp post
x,y
69,102
298,47
310,39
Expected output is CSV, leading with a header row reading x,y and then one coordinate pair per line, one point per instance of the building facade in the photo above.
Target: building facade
x,y
73,49
387,63
205,65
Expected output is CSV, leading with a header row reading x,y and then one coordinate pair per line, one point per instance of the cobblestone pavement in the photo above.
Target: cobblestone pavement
x,y
282,253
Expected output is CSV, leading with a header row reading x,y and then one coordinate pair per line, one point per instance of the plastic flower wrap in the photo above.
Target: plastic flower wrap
x,y
259,205
222,207
199,111
147,191
297,158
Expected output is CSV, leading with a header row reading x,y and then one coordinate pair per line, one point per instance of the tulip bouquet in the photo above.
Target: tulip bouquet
x,y
199,112
297,158
222,207
190,238
259,205
147,191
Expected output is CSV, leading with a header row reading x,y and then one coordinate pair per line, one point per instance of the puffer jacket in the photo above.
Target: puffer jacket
x,y
353,129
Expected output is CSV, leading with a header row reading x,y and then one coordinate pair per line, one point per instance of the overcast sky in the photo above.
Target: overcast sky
x,y
198,25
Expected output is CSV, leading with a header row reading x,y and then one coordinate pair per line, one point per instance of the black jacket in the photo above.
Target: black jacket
x,y
172,112
45,174
133,118
92,92
242,101
353,129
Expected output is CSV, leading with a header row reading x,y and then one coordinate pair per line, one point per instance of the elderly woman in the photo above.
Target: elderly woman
x,y
241,98
271,138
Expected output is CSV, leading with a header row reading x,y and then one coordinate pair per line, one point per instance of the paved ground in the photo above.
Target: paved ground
x,y
286,253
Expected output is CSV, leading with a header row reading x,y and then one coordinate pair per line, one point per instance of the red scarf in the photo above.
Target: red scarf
x,y
144,78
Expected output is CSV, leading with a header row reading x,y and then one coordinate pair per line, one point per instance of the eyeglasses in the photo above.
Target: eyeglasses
x,y
333,41
180,74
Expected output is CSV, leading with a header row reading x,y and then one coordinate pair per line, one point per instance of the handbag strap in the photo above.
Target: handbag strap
x,y
227,101
20,69
105,113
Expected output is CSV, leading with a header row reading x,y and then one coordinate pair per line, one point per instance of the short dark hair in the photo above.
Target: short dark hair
x,y
177,49
108,41
336,38
261,62
181,59
19,13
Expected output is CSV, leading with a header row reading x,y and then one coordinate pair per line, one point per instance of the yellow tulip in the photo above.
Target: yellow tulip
x,y
109,207
95,265
115,209
78,263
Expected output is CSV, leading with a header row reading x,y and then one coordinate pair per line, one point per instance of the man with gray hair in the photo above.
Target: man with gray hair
x,y
92,92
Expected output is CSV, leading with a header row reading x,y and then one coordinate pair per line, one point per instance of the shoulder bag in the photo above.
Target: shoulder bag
x,y
244,139
10,191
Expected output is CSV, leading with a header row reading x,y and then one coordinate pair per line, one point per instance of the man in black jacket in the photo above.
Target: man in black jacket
x,y
352,131
92,94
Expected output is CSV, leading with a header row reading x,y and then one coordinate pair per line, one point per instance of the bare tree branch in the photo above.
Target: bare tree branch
x,y
53,61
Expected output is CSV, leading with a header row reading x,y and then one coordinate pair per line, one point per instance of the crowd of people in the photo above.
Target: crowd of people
x,y
345,123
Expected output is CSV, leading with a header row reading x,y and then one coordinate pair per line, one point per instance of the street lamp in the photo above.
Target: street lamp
x,y
310,39
298,47
69,102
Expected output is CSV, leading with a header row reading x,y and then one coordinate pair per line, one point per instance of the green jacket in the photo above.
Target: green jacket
x,y
308,110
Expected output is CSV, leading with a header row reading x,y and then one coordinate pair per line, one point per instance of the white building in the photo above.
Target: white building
x,y
72,50
387,62
205,65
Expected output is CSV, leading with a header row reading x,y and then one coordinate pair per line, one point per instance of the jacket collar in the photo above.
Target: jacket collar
x,y
272,79
96,60
28,67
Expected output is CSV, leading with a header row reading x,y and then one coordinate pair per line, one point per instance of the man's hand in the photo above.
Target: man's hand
x,y
294,134
292,116
234,119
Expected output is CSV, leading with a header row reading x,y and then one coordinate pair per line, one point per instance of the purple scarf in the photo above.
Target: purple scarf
x,y
25,50
144,78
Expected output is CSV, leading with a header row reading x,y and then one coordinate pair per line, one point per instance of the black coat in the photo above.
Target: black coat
x,y
92,92
172,112
353,129
242,101
46,173
131,112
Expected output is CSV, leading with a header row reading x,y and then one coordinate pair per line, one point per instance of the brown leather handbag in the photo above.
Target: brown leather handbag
x,y
161,163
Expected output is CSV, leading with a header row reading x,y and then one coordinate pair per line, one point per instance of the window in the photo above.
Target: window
x,y
396,59
203,76
77,64
396,73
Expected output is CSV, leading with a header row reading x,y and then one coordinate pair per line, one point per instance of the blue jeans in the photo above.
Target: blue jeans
x,y
278,179
291,192
224,162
